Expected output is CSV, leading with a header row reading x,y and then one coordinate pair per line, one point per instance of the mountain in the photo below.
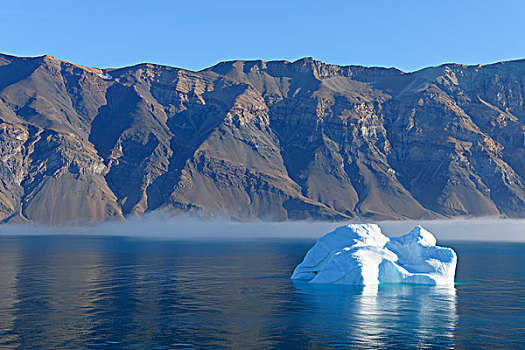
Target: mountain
x,y
252,139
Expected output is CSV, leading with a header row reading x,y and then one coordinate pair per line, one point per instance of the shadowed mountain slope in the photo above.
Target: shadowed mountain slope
x,y
252,139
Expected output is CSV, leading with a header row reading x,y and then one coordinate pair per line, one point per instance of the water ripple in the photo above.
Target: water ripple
x,y
113,293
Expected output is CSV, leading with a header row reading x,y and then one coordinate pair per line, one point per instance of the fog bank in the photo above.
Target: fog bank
x,y
160,226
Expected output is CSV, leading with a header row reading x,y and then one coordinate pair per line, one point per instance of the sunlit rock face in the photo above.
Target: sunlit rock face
x,y
249,140
359,254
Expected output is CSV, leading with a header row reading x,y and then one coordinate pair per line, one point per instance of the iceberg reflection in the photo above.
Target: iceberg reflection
x,y
378,316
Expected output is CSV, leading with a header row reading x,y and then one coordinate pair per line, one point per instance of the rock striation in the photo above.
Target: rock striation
x,y
252,139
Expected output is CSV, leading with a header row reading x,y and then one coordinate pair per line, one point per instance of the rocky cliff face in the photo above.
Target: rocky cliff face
x,y
274,140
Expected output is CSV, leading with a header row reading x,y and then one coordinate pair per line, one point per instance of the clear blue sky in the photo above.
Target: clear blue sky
x,y
408,34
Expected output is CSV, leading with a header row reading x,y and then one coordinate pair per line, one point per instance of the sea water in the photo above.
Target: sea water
x,y
71,292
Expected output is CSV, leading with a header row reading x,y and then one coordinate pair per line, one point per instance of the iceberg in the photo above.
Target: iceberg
x,y
360,254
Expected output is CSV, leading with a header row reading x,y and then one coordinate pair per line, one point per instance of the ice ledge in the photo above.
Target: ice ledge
x,y
359,254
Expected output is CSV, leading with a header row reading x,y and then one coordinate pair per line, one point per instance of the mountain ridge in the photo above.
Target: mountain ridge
x,y
260,139
305,58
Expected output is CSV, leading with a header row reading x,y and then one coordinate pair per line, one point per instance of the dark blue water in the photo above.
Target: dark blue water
x,y
114,293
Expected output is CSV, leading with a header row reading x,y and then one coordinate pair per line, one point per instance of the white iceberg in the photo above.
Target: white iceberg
x,y
359,254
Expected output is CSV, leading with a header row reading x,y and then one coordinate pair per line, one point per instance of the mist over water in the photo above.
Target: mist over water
x,y
484,229
184,227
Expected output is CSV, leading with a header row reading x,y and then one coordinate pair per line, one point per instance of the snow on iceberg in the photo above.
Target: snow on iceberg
x,y
359,254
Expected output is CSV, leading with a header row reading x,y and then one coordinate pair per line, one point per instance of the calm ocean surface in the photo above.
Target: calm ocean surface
x,y
112,293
